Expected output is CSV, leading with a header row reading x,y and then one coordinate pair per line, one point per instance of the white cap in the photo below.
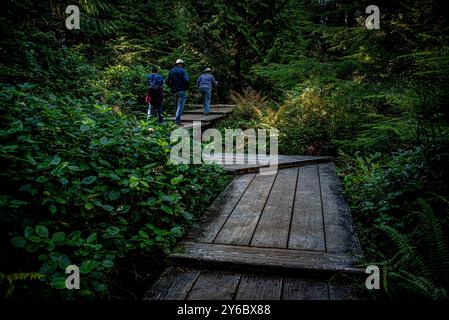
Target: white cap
x,y
179,61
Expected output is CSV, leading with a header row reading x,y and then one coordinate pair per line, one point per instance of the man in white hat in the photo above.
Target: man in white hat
x,y
178,81
204,83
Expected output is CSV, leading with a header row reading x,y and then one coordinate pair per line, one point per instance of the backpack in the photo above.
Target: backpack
x,y
152,83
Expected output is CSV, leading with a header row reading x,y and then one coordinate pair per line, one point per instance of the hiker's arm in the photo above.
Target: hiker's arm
x,y
198,82
169,79
186,79
214,81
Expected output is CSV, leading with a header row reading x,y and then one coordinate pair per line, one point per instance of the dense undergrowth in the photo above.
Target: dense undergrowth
x,y
85,181
85,185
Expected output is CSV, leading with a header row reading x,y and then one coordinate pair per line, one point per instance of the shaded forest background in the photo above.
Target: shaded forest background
x,y
85,179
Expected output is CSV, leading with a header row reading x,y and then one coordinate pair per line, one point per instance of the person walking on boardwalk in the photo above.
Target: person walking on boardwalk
x,y
204,83
155,94
178,81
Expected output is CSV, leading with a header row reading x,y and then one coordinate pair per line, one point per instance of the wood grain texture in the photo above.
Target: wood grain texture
x,y
246,258
338,224
283,162
259,287
304,289
273,227
173,284
240,226
214,285
220,209
307,230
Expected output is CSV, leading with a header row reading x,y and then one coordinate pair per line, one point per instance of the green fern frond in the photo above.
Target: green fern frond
x,y
407,252
422,286
434,237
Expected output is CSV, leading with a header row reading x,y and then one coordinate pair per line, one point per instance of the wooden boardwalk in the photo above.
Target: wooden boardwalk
x,y
216,112
278,236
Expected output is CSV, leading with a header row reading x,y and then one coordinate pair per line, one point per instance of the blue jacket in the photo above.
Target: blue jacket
x,y
159,81
205,81
178,79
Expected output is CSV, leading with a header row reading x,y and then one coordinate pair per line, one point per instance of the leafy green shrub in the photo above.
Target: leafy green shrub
x,y
85,185
386,197
377,186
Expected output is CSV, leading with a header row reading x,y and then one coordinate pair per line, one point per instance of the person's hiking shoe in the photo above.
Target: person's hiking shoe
x,y
206,113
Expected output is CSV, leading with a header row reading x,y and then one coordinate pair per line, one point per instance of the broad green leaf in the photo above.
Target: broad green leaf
x,y
19,242
108,207
41,231
58,282
28,232
87,266
48,267
56,160
64,261
52,209
58,236
92,238
177,180
111,231
107,263
104,140
114,195
89,180
88,205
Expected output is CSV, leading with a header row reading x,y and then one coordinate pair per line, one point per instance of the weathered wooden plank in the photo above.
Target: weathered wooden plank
x,y
244,258
212,106
306,231
304,289
212,110
273,227
173,284
259,287
339,228
242,222
214,285
283,161
220,209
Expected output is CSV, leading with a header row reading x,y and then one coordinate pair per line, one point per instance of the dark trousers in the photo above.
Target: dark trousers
x,y
155,103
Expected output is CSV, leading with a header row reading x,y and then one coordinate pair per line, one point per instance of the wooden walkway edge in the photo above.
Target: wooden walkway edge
x,y
283,236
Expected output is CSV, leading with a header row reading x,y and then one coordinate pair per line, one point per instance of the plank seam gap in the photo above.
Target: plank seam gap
x,y
238,287
293,209
193,284
233,208
282,288
322,208
259,247
263,208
